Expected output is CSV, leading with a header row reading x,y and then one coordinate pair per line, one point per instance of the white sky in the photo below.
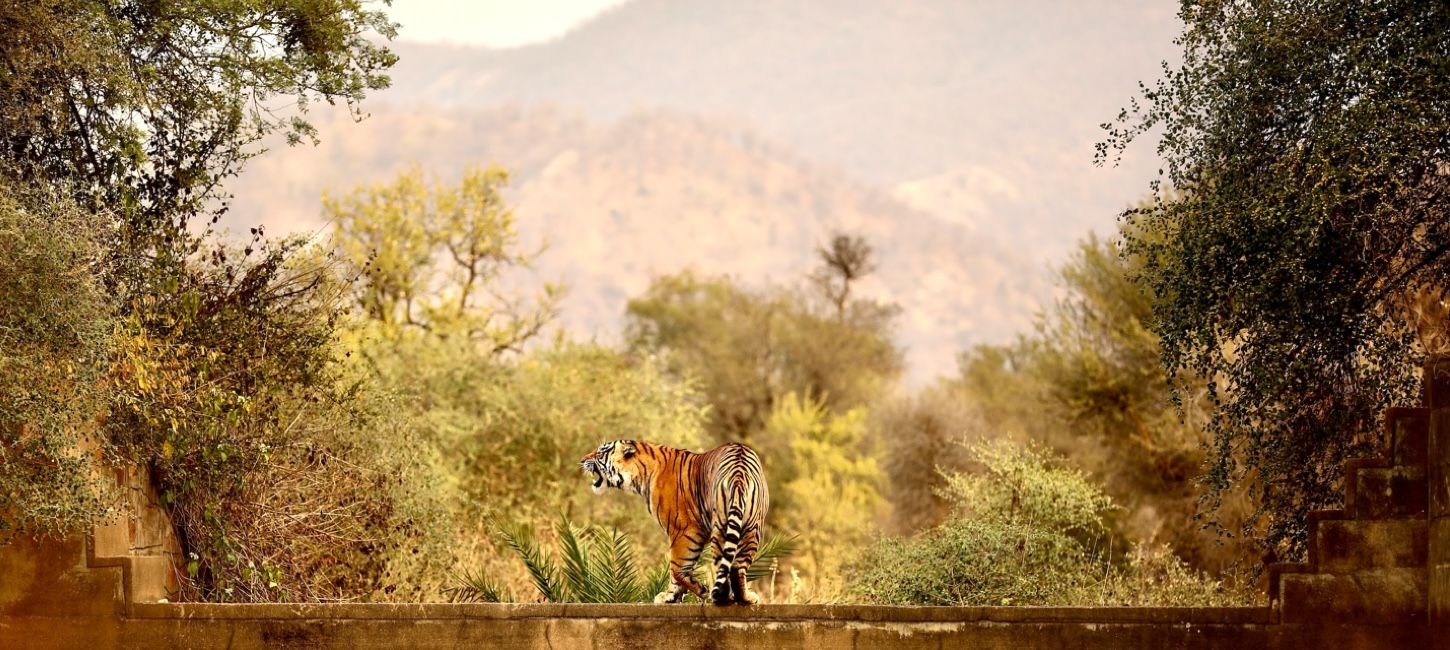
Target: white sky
x,y
492,23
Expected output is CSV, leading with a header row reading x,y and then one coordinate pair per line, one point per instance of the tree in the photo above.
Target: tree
x,y
221,372
847,260
1027,529
433,256
1307,144
919,435
1089,383
824,484
748,349
145,107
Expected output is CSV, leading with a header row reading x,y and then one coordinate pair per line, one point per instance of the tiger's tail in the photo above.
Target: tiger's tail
x,y
729,548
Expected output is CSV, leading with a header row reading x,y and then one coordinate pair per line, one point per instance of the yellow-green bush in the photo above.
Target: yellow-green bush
x,y
1027,530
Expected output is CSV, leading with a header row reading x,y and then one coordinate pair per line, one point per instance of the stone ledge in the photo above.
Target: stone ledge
x,y
1398,492
1347,546
701,612
1371,597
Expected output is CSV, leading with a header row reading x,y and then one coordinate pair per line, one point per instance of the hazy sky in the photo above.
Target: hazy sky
x,y
492,23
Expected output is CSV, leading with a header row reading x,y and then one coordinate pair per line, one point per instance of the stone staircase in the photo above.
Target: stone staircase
x,y
1369,561
142,543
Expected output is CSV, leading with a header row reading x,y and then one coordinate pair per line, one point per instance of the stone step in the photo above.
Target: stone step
x,y
1372,597
1347,546
1400,492
1408,436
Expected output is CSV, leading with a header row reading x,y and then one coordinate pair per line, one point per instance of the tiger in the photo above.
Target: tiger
x,y
717,497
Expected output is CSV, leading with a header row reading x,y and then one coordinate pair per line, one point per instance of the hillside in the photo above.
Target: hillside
x,y
899,94
653,193
733,136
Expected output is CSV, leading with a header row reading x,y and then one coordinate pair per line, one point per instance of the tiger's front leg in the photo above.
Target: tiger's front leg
x,y
684,554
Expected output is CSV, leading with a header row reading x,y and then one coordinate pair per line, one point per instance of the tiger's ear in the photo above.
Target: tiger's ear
x,y
627,449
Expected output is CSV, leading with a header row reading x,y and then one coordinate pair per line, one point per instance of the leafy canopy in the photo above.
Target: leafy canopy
x,y
147,106
1307,143
749,348
433,256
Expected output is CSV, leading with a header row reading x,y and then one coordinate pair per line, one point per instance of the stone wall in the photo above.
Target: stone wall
x,y
1377,576
1437,398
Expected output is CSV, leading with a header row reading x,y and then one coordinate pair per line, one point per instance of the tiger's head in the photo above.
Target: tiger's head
x,y
615,464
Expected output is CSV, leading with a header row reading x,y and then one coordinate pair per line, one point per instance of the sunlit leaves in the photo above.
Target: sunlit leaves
x,y
1307,144
54,341
436,256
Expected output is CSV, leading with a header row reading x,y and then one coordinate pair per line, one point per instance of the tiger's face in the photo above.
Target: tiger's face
x,y
614,465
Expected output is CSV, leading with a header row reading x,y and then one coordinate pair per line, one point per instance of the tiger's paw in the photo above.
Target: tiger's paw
x,y
670,596
721,596
751,597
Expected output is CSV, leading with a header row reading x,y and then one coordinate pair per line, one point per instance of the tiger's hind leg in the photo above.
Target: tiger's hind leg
x,y
720,591
739,589
684,553
734,552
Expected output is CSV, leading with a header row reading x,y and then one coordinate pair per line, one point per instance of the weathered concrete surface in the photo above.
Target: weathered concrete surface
x,y
50,604
778,626
51,599
564,627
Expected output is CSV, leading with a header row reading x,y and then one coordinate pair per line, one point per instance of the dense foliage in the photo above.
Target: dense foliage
x,y
346,419
1307,146
1088,384
750,348
221,376
55,339
1025,531
793,371
433,256
145,107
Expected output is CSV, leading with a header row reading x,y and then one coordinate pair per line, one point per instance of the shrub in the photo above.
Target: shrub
x,y
594,564
1025,531
55,329
824,484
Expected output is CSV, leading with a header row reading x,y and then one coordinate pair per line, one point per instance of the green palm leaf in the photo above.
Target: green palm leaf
x,y
544,573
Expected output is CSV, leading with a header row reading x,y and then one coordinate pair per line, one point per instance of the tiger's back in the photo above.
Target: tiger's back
x,y
734,495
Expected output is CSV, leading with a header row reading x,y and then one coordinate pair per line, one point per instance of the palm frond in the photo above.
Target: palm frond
x,y
471,587
772,551
600,566
620,572
578,586
544,573
656,580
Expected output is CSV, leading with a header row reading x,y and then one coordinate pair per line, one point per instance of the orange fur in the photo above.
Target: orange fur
x,y
718,497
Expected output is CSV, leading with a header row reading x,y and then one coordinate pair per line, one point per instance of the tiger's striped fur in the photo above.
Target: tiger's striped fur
x,y
718,497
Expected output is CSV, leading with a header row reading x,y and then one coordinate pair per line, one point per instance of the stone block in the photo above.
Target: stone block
x,y
1398,492
1347,546
1370,597
1440,594
111,540
1435,382
153,577
1440,573
48,577
1439,463
1410,436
